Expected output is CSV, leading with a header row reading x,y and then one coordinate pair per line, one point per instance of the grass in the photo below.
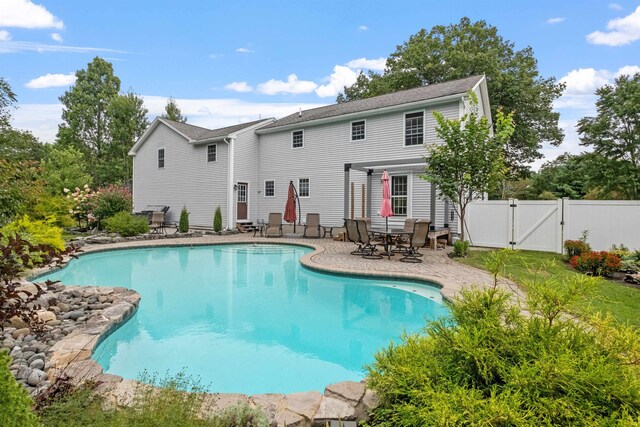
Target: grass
x,y
614,298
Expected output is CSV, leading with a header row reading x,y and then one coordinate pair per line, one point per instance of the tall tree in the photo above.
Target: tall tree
x,y
64,167
470,162
614,133
85,112
172,112
18,145
7,99
469,48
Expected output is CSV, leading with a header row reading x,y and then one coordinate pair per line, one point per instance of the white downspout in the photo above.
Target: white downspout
x,y
230,184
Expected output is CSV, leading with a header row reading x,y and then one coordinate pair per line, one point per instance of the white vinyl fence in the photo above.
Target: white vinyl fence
x,y
543,225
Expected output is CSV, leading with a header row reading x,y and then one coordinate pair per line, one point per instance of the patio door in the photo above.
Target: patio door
x,y
242,205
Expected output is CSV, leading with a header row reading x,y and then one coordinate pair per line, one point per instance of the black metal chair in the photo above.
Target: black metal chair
x,y
419,239
368,245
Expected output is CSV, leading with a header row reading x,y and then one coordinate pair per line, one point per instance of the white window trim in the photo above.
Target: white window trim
x,y
301,196
409,175
294,131
207,155
246,195
264,188
164,158
351,130
404,128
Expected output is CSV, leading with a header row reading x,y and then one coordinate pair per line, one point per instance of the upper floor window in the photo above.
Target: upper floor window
x,y
399,194
160,158
269,188
303,187
414,128
212,152
297,139
358,130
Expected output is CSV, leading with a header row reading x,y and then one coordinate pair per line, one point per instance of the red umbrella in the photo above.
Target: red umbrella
x,y
385,210
290,207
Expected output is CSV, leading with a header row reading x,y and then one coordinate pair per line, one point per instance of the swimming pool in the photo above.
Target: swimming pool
x,y
249,318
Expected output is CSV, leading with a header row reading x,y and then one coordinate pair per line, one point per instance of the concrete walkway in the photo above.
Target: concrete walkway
x,y
334,256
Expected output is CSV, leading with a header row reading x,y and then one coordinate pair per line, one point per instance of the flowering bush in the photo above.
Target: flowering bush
x,y
596,263
576,247
111,200
83,204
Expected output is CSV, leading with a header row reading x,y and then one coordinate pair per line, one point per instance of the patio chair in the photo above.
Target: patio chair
x,y
274,226
353,236
403,239
368,245
419,239
157,223
312,227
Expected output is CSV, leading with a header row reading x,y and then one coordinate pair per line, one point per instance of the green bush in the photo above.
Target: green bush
x,y
217,220
37,232
493,364
126,224
576,248
56,208
110,200
15,403
183,224
460,248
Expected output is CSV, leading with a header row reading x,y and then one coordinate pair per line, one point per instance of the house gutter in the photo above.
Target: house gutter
x,y
230,143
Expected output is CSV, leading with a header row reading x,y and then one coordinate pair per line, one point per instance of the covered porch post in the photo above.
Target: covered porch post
x,y
347,170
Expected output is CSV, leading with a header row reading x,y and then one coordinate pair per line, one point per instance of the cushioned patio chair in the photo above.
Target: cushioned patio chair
x,y
274,226
351,228
419,239
312,227
368,244
157,223
402,240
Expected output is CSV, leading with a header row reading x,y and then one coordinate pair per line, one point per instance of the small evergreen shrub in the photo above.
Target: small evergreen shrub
x,y
36,232
596,263
217,220
576,248
460,248
15,403
631,262
126,224
110,200
183,224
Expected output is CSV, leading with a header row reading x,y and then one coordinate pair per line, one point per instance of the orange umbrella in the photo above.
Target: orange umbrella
x,y
290,207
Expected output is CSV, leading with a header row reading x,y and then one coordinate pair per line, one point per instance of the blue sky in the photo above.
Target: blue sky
x,y
233,61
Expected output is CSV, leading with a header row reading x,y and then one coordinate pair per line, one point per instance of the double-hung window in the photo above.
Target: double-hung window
x,y
303,187
269,188
297,139
399,194
212,152
358,130
160,158
414,129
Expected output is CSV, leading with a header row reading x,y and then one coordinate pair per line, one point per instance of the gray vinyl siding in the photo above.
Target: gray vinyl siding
x,y
246,169
186,180
327,148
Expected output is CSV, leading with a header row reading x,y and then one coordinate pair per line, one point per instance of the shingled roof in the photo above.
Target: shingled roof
x,y
432,91
197,133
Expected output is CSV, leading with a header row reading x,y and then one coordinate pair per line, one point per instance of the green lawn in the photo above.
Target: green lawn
x,y
623,302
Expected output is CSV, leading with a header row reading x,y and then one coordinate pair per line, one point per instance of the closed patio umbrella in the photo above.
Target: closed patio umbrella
x,y
290,207
385,209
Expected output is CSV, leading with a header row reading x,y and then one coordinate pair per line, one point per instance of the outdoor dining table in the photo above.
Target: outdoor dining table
x,y
388,237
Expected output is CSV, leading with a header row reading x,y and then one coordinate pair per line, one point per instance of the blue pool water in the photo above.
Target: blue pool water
x,y
249,319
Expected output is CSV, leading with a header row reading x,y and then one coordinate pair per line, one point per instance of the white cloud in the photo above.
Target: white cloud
x,y
555,20
25,14
292,85
341,77
19,46
215,55
621,31
363,28
5,35
369,64
41,119
239,87
570,144
244,50
52,80
628,70
615,6
56,37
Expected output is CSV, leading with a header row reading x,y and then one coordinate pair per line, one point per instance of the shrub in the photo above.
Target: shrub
x,y
620,250
460,248
631,262
183,224
36,232
126,224
111,200
217,220
596,263
55,208
576,248
15,403
82,204
493,364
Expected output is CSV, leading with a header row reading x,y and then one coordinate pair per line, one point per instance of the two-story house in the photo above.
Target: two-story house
x,y
334,155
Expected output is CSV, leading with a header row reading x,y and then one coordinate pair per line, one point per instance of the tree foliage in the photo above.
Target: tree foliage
x,y
20,190
614,134
7,99
172,112
15,403
470,161
64,167
18,145
473,48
